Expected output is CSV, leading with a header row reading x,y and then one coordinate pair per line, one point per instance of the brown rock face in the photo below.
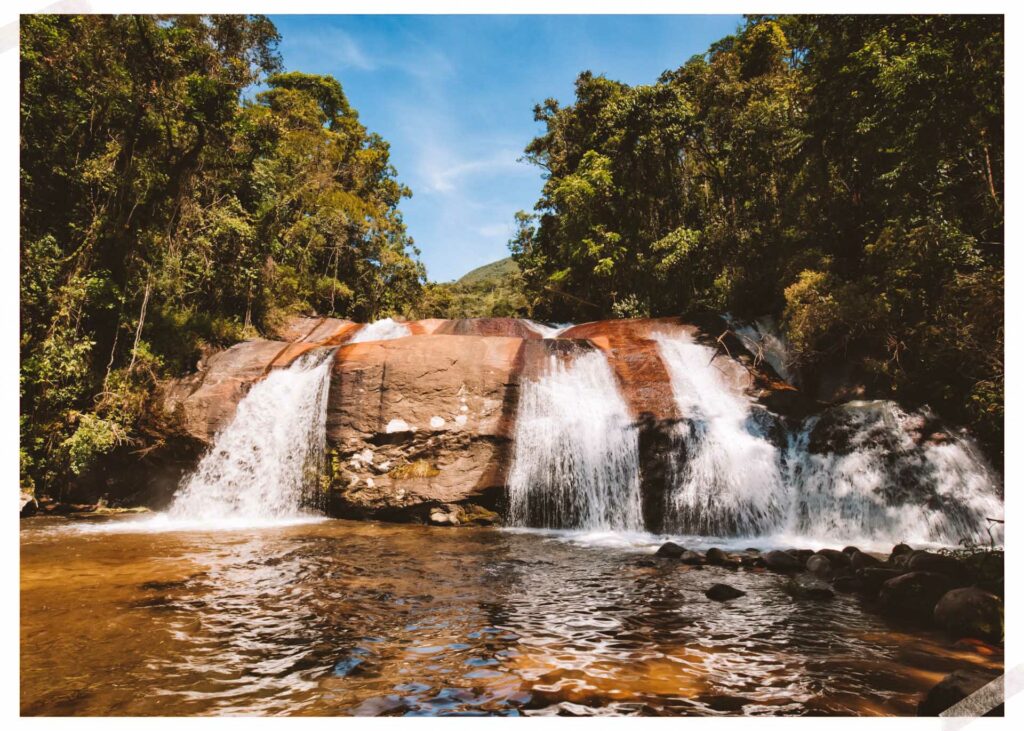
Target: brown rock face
x,y
416,422
508,327
205,401
421,426
321,330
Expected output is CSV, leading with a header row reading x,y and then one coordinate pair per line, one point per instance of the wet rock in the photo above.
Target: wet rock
x,y
971,612
472,514
898,551
808,587
838,559
716,556
849,585
29,506
800,554
913,595
850,550
670,550
937,563
442,517
751,561
723,593
821,567
782,562
873,578
691,558
860,561
954,688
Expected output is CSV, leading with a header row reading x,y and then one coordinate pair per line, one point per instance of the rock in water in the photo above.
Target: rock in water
x,y
716,556
860,561
782,562
723,593
692,558
937,563
971,612
913,596
808,587
29,506
670,550
954,688
820,567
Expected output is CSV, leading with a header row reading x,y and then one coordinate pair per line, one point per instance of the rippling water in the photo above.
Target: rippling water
x,y
341,617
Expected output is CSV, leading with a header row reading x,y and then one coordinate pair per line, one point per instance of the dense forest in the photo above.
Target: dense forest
x,y
841,173
181,192
166,209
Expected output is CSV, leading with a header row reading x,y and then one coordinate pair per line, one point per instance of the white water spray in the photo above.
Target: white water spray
x,y
547,331
266,464
871,470
727,478
576,461
386,329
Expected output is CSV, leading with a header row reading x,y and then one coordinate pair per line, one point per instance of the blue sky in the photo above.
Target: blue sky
x,y
454,96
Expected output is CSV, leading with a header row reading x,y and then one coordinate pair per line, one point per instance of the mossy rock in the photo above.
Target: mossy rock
x,y
472,514
416,468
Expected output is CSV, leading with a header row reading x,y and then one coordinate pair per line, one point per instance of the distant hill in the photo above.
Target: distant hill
x,y
495,270
493,290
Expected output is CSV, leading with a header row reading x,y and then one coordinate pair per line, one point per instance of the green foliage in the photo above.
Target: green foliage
x,y
163,211
842,172
493,290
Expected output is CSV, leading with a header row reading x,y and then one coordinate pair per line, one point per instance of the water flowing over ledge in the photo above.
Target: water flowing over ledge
x,y
576,462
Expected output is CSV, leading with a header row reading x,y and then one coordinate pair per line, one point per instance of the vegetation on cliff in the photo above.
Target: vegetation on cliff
x,y
843,173
165,208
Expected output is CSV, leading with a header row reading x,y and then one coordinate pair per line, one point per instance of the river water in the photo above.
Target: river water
x,y
339,617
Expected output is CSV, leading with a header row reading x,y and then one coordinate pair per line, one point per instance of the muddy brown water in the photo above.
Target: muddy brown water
x,y
344,617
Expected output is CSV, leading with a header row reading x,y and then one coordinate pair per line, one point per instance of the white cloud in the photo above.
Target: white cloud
x,y
443,172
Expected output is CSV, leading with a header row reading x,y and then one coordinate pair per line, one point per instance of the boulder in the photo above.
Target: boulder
x,y
821,567
954,688
800,554
849,584
782,562
860,561
29,506
808,587
938,563
898,551
717,557
971,612
850,550
838,559
692,558
723,593
913,595
873,578
670,550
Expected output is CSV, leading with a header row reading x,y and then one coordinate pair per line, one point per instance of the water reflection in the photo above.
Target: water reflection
x,y
363,618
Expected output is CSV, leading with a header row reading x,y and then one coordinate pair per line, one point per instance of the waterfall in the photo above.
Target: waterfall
x,y
547,331
727,477
863,471
870,469
576,460
266,464
763,338
386,329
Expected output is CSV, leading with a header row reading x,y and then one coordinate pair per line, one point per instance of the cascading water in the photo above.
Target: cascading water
x,y
547,331
576,459
870,469
728,475
763,339
266,464
386,329
863,471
